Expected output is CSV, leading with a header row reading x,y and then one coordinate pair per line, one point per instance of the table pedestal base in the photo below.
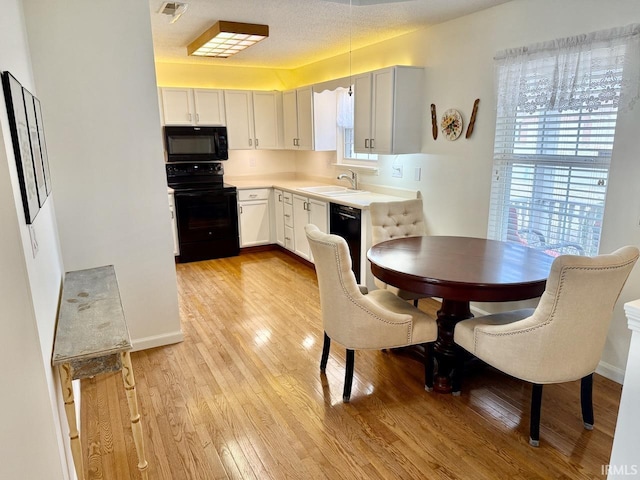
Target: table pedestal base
x,y
445,350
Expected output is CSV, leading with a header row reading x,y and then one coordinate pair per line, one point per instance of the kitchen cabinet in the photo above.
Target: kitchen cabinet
x,y
307,210
174,224
239,107
278,199
192,106
253,119
297,118
388,111
253,217
267,120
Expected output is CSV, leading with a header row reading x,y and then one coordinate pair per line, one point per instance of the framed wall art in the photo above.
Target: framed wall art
x,y
36,154
43,144
14,100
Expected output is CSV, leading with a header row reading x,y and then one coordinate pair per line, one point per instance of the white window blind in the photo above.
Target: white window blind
x,y
555,128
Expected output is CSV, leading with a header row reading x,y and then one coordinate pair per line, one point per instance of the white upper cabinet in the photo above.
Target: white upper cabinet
x,y
189,106
388,111
209,107
267,117
253,119
240,133
297,118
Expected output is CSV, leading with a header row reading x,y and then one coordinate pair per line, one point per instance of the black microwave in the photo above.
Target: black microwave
x,y
195,144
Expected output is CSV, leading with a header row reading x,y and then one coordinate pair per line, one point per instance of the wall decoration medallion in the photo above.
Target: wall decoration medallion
x,y
451,124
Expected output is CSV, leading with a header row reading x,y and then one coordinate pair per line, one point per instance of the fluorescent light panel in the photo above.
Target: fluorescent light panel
x,y
227,38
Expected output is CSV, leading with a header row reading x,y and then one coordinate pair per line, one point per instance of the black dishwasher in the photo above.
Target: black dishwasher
x,y
345,221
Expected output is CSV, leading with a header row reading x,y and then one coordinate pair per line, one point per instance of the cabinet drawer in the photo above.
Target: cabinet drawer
x,y
288,197
253,194
288,215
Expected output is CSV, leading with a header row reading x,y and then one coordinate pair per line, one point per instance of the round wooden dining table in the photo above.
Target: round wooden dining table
x,y
459,270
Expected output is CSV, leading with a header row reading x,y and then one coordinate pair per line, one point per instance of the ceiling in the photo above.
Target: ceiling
x,y
301,31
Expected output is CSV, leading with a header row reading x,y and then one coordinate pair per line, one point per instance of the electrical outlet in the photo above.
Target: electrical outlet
x,y
396,171
417,173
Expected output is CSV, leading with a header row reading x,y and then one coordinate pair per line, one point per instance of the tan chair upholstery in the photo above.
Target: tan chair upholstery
x,y
393,220
356,320
562,339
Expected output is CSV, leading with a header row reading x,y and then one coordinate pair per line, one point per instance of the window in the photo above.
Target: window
x,y
556,119
346,140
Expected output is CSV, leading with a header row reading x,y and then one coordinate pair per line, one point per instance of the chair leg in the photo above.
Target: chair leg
x,y
428,367
534,426
456,374
325,352
586,400
348,376
415,302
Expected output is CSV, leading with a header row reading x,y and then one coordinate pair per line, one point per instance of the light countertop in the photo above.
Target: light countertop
x,y
360,200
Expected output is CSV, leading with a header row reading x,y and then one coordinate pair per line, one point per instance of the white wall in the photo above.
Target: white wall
x,y
93,64
29,289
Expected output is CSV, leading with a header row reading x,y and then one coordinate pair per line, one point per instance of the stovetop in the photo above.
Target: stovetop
x,y
200,175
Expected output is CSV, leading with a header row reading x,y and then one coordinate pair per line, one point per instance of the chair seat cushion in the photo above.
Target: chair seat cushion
x,y
425,328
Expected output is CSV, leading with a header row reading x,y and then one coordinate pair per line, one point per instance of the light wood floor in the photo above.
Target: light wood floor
x,y
242,397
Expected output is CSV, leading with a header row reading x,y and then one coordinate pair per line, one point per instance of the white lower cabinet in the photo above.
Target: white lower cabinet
x,y
254,217
174,224
307,210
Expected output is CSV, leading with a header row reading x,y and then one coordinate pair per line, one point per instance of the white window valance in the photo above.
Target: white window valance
x,y
570,74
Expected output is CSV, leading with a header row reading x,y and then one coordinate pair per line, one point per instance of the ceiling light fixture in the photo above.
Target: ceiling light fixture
x,y
227,38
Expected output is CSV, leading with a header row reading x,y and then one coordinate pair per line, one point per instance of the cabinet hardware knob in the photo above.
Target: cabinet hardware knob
x,y
366,143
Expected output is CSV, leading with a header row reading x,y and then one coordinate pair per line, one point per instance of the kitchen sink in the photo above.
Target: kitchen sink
x,y
330,190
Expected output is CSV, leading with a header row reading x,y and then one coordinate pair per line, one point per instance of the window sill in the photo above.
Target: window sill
x,y
358,168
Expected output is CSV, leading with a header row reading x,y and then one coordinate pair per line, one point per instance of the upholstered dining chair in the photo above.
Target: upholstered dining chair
x,y
361,320
562,339
392,220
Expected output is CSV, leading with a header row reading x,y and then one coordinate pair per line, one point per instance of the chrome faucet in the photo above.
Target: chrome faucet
x,y
353,178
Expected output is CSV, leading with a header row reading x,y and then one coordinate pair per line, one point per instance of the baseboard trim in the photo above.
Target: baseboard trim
x,y
609,371
157,340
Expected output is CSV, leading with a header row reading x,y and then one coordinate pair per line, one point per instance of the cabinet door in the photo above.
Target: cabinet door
x,y
209,107
300,219
254,223
362,112
382,111
266,119
319,214
177,106
290,119
305,118
279,217
239,107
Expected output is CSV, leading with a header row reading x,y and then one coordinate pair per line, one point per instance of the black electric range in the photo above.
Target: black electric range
x,y
206,211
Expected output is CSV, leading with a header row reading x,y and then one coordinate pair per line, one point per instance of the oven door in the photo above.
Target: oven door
x,y
207,224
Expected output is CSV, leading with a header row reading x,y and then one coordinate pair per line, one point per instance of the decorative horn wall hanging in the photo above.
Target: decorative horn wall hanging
x,y
434,122
472,121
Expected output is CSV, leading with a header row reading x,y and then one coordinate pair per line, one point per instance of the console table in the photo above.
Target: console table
x,y
92,338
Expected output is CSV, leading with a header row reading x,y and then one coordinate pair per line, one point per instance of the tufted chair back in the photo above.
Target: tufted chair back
x,y
396,219
393,220
563,338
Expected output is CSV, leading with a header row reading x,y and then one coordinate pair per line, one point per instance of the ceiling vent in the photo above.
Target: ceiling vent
x,y
173,10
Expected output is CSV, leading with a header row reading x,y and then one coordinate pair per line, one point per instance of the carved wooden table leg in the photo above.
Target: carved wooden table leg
x,y
132,400
64,370
445,350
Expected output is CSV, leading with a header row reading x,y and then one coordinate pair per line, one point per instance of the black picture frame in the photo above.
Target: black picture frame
x,y
43,144
17,114
36,153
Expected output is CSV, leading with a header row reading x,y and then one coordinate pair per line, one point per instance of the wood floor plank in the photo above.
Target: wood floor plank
x,y
243,398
